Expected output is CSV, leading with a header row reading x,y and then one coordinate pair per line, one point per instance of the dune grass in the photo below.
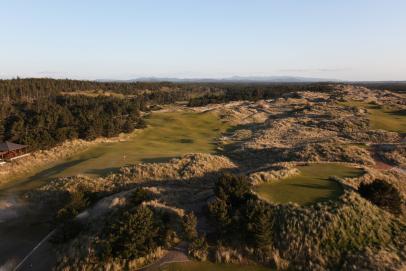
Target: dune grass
x,y
311,185
206,266
382,117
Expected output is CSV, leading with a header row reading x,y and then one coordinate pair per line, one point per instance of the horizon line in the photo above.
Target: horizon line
x,y
233,78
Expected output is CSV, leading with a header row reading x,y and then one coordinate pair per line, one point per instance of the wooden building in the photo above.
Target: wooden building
x,y
10,151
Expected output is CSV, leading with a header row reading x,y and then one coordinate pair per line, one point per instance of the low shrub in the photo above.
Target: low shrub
x,y
382,194
199,249
77,201
139,195
66,232
227,255
189,223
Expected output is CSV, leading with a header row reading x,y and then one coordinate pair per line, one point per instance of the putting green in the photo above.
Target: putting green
x,y
311,185
206,266
382,117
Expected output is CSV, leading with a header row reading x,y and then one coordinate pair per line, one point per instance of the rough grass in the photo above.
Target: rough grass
x,y
96,93
323,236
382,117
311,185
198,167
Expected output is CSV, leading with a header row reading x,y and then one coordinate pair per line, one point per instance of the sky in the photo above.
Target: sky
x,y
89,39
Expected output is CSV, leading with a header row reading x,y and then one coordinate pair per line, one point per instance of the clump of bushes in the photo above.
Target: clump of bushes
x,y
67,231
227,255
139,195
199,249
76,202
382,194
126,238
130,235
134,231
189,223
239,216
67,226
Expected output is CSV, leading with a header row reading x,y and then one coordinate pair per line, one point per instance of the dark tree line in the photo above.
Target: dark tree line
x,y
38,113
253,92
399,87
47,122
34,88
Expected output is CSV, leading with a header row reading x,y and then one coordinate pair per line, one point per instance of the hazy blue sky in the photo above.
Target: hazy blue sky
x,y
353,39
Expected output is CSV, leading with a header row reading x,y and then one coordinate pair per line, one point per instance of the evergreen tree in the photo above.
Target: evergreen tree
x,y
2,131
219,210
262,228
134,234
233,189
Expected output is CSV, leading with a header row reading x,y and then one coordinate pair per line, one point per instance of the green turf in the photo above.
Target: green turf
x,y
206,266
382,117
311,185
168,135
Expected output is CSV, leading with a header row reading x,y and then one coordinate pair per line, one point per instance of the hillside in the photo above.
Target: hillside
x,y
207,202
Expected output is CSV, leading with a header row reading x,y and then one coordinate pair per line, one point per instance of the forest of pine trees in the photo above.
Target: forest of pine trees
x,y
47,122
35,112
40,114
399,87
254,91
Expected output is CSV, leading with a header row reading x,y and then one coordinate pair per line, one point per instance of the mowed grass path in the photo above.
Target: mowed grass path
x,y
168,135
311,185
382,117
206,266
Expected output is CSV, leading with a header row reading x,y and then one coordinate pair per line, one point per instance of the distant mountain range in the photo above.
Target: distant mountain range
x,y
240,79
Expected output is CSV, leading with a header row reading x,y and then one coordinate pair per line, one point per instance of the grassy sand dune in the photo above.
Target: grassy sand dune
x,y
382,117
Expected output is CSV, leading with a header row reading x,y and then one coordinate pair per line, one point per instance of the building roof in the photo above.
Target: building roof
x,y
9,146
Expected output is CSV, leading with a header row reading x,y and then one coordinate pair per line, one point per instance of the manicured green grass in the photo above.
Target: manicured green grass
x,y
206,266
311,185
382,117
169,135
